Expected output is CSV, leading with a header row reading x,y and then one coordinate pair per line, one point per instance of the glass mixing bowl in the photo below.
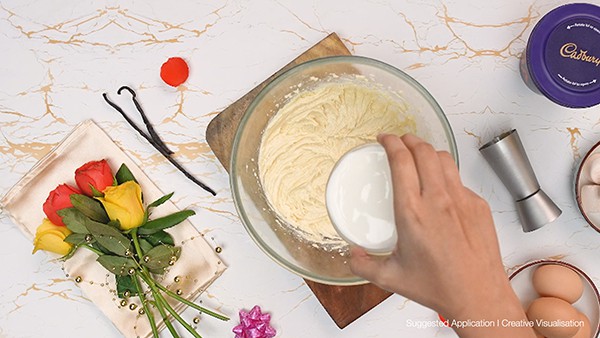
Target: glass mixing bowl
x,y
270,231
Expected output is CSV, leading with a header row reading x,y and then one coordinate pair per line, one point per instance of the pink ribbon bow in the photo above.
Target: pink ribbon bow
x,y
254,324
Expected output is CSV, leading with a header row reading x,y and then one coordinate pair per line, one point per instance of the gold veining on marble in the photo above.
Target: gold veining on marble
x,y
575,134
502,51
181,91
466,37
300,286
302,21
46,288
557,257
218,307
416,65
228,214
297,305
405,302
37,150
477,137
194,150
132,29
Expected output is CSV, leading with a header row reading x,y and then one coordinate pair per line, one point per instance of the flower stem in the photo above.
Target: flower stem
x,y
144,275
94,250
136,243
164,316
145,306
176,316
192,304
162,304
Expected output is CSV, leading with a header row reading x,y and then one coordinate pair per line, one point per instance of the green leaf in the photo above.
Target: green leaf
x,y
120,266
125,283
124,175
145,245
160,237
74,220
164,222
161,257
95,192
97,246
115,224
160,200
110,238
160,271
78,239
90,207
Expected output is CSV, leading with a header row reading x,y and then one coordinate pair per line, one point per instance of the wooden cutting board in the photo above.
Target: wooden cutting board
x,y
343,303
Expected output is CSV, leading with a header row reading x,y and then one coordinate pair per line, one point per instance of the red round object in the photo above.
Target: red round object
x,y
175,71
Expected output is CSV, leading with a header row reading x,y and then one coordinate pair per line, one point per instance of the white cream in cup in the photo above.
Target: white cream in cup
x,y
359,199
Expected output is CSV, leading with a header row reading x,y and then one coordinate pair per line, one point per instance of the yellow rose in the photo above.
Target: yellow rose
x,y
49,237
124,203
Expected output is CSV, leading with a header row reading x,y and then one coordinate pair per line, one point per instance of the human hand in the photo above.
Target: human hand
x,y
447,256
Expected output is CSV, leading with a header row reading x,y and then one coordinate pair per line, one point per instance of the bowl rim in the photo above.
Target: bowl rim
x,y
262,93
577,186
573,267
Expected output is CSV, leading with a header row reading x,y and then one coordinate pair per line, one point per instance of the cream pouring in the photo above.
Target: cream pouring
x,y
359,199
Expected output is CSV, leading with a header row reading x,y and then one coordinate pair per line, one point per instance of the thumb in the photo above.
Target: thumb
x,y
366,266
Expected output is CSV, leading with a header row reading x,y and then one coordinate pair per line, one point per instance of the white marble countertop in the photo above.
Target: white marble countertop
x,y
59,57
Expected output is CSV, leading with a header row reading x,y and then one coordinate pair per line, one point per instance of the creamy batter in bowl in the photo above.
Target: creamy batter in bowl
x,y
313,129
292,135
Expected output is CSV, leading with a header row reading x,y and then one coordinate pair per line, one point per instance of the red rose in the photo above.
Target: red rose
x,y
59,198
95,174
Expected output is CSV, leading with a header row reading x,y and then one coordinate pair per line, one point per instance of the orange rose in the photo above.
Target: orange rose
x,y
59,198
95,174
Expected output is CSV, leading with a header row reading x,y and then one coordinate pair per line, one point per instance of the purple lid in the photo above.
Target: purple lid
x,y
563,55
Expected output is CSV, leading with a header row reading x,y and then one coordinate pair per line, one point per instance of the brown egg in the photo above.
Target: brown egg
x,y
585,331
553,280
548,313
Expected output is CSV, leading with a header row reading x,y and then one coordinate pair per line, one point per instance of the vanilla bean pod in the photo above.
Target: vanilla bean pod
x,y
147,123
153,137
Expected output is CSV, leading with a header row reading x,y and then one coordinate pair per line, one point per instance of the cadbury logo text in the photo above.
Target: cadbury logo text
x,y
570,50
